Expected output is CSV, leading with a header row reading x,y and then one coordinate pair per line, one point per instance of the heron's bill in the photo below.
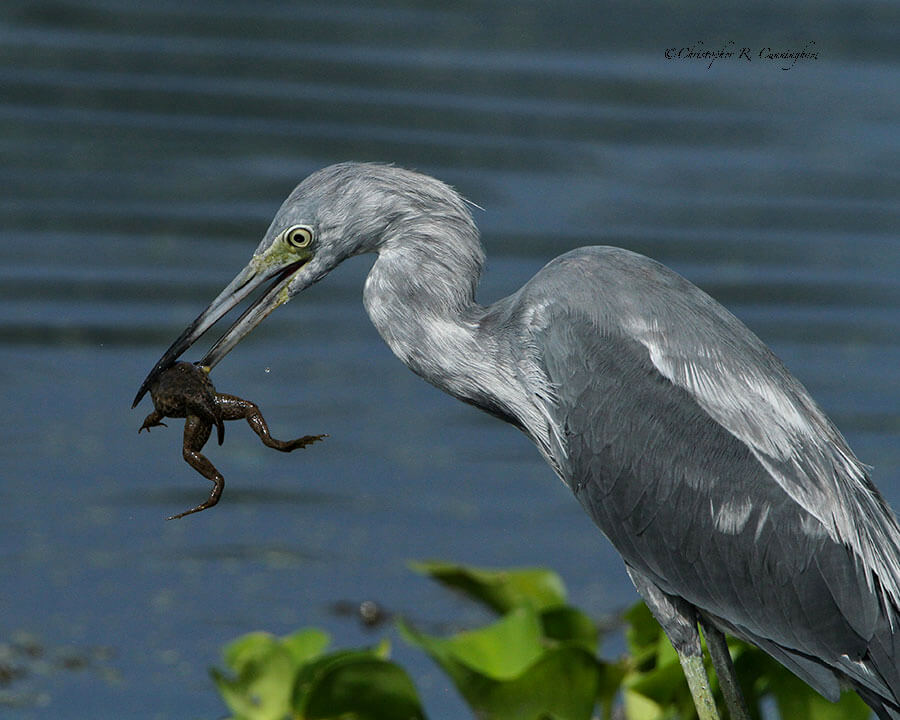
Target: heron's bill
x,y
248,280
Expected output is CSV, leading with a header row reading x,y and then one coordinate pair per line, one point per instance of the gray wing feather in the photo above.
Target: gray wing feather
x,y
708,465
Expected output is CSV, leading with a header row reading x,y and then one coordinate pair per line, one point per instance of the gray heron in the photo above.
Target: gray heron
x,y
735,503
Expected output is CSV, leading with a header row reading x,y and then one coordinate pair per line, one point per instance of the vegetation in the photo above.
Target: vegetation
x,y
537,661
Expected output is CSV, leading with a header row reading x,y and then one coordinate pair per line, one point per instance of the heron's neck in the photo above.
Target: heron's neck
x,y
420,295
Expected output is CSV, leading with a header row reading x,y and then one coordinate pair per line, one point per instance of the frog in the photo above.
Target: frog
x,y
185,391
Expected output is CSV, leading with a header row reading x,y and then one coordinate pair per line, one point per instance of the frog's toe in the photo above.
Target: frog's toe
x,y
304,441
208,503
199,508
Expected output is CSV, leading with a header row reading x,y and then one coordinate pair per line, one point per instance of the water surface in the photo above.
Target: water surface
x,y
144,149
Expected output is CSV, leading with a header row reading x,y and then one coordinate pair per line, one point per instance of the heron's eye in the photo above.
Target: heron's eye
x,y
300,236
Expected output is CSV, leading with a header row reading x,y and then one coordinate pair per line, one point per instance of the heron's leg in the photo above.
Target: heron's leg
x,y
698,684
235,408
678,619
721,660
196,433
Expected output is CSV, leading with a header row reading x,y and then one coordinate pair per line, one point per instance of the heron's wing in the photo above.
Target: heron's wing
x,y
704,461
703,349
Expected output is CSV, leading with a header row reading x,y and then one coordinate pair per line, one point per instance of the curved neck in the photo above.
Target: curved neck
x,y
420,295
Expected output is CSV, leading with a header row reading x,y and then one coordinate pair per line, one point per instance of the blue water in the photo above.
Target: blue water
x,y
143,150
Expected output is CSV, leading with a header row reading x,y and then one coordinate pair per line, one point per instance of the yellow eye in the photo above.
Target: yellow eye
x,y
300,236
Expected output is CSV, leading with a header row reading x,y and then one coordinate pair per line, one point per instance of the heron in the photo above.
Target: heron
x,y
737,506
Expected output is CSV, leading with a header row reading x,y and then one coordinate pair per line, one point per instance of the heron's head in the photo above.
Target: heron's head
x,y
337,212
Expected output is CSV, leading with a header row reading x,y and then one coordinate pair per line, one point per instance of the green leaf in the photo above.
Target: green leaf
x,y
798,701
500,590
309,674
505,671
305,645
640,707
664,684
500,651
565,623
609,684
360,686
655,686
562,685
264,673
248,648
642,631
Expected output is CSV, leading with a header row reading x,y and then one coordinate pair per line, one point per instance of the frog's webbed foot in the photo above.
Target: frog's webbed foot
x,y
154,419
208,503
302,442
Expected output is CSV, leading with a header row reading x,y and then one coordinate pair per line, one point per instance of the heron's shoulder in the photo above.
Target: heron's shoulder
x,y
594,261
601,264
615,290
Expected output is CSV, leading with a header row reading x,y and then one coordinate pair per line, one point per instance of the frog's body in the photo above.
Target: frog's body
x,y
185,391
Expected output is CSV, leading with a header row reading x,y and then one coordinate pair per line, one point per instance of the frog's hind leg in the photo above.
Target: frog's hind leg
x,y
234,408
196,433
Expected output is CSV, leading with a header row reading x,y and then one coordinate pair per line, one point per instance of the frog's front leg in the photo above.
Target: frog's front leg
x,y
235,408
154,419
196,433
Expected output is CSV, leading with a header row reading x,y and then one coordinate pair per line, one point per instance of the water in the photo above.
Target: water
x,y
144,149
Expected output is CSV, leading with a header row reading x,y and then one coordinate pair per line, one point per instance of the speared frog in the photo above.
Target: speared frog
x,y
185,391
